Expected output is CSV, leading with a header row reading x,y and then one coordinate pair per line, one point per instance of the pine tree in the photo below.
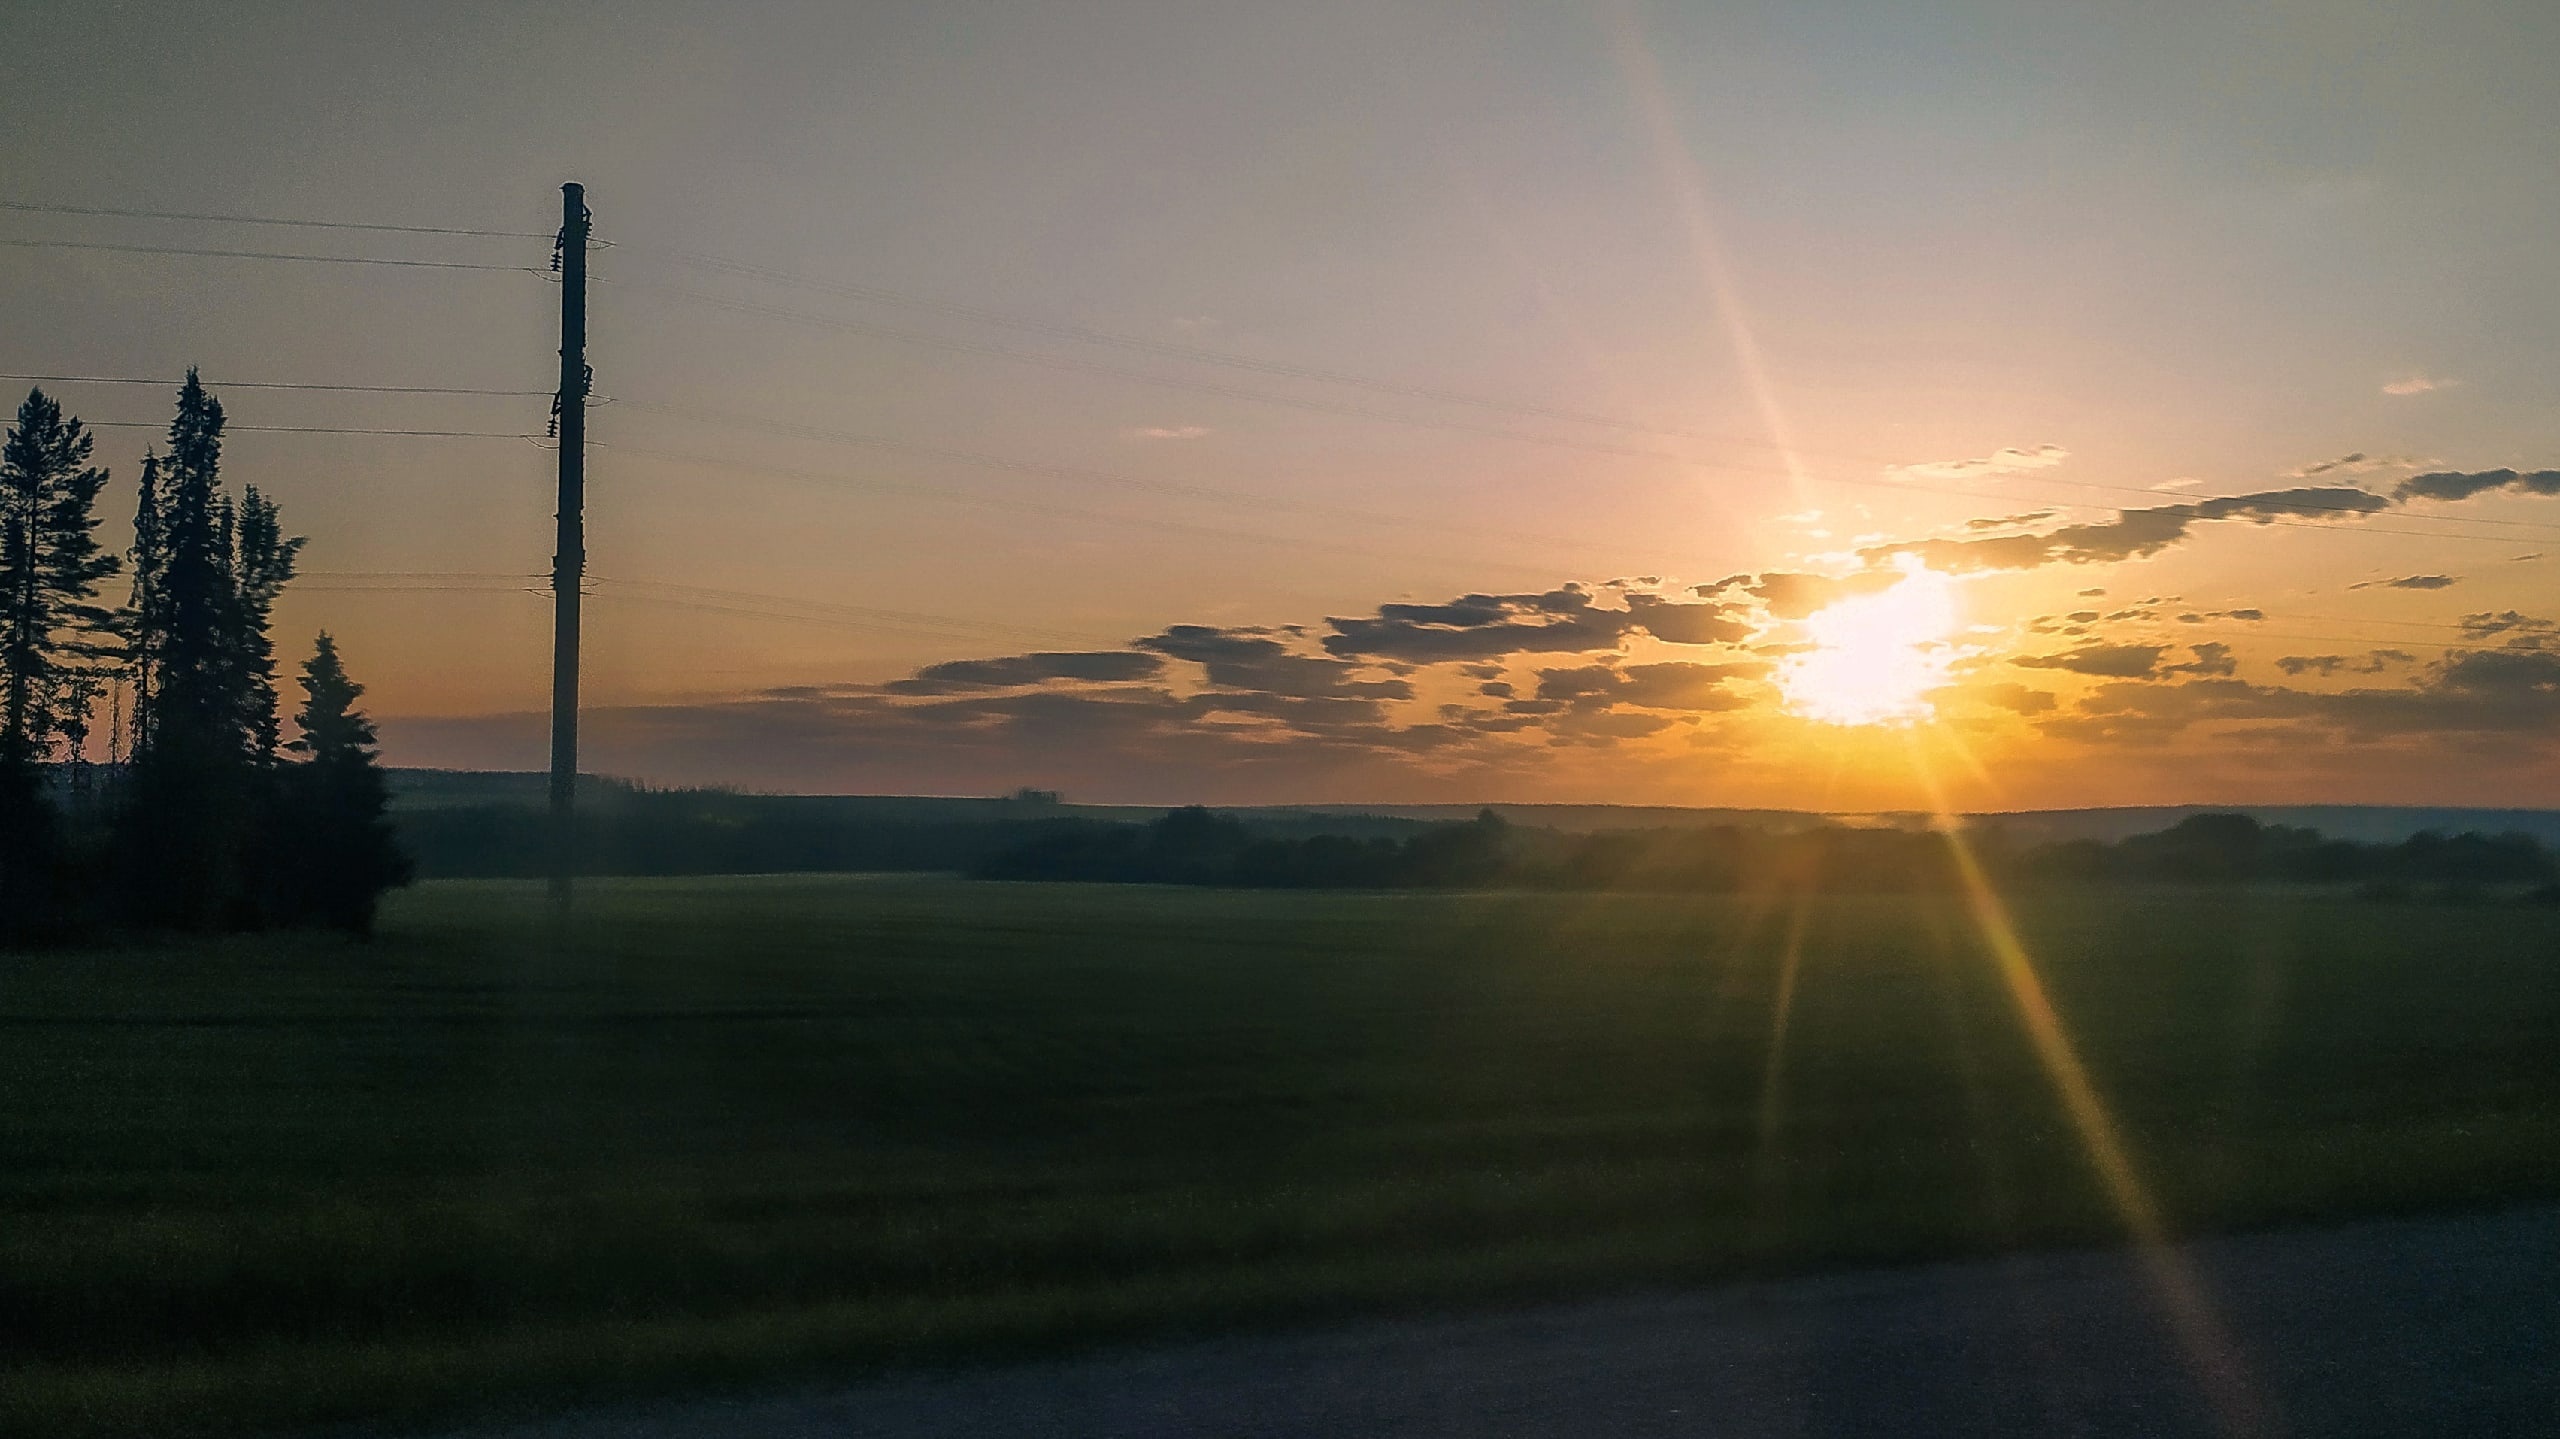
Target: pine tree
x,y
51,564
195,702
262,563
205,727
51,631
145,617
336,851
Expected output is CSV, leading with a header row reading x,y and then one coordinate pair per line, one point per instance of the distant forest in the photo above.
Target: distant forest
x,y
465,825
204,815
1196,846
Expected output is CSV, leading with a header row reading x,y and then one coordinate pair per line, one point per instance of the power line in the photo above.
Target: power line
x,y
26,207
513,577
1210,387
1077,333
821,611
418,589
2165,498
1019,507
1088,335
1232,497
267,255
1099,477
1084,334
277,385
230,429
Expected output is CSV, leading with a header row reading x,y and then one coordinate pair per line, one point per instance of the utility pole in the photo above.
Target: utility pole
x,y
569,556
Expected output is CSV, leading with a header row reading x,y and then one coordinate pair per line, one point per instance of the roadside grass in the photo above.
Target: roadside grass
x,y
754,1130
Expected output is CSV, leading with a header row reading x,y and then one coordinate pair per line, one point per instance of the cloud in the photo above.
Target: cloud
x,y
2010,461
1261,660
2018,698
2211,658
2356,463
1683,624
2516,625
2132,534
2417,383
1480,627
2503,692
1792,595
1013,671
2374,662
2459,485
1414,695
1170,432
2410,582
1675,685
2007,522
2117,661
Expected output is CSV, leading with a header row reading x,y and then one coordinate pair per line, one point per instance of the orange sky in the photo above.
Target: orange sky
x,y
939,337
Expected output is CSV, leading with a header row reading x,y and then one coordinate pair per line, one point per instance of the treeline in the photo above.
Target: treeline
x,y
1196,846
625,830
203,815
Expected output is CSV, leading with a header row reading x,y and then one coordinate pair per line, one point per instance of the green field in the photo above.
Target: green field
x,y
750,1129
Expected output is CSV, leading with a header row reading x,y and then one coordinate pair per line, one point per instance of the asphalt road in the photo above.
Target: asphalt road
x,y
2434,1327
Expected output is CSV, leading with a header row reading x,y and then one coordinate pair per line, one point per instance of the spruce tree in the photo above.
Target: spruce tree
x,y
262,562
336,852
204,712
51,564
52,630
195,702
145,617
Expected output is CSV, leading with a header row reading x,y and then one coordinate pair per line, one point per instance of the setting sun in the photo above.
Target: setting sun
x,y
1876,657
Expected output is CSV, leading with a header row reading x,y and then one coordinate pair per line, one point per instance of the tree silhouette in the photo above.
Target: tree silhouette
x,y
51,624
262,562
52,632
335,853
145,616
195,702
205,723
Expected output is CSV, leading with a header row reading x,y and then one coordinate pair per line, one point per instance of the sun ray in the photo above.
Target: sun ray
x,y
2211,1347
1681,175
1772,1107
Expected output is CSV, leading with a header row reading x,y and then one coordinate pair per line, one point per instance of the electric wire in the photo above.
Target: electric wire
x,y
1088,335
268,255
276,385
2166,499
1082,475
1012,506
1113,479
231,429
788,607
28,207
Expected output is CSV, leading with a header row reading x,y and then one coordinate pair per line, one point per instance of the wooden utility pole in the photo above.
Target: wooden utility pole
x,y
569,557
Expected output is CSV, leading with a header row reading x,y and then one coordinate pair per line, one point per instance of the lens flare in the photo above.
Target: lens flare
x,y
2213,1350
1875,658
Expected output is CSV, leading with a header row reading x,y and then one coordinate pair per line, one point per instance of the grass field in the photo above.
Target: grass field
x,y
762,1128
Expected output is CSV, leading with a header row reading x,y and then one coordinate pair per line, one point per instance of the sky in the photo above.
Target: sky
x,y
1817,405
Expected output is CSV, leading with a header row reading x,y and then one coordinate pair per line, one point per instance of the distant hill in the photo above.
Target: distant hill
x,y
489,822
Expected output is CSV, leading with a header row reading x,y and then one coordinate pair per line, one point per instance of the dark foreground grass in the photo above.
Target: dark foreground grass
x,y
753,1129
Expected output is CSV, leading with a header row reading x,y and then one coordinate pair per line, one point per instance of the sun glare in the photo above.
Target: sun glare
x,y
1875,658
